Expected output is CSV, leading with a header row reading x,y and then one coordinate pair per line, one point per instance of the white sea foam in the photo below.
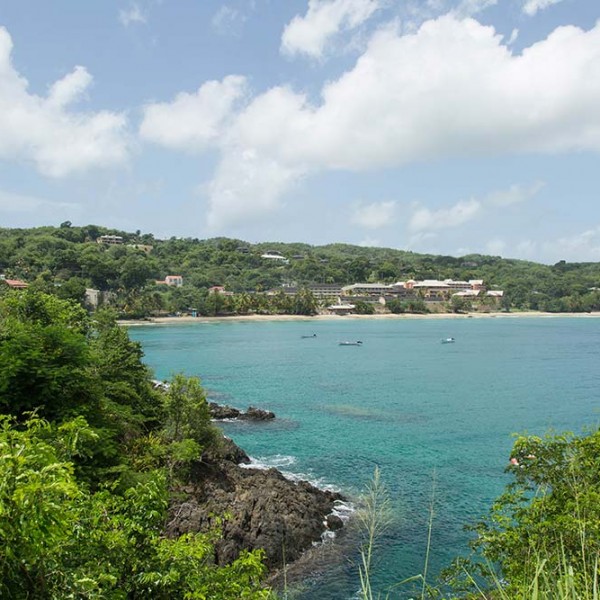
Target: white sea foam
x,y
343,510
280,461
269,462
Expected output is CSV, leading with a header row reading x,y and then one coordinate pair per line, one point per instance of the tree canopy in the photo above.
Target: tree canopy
x,y
63,259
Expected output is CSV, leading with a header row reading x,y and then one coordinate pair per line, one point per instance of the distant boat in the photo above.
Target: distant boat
x,y
304,337
448,340
357,343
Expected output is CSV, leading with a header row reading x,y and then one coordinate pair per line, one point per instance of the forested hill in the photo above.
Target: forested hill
x,y
68,259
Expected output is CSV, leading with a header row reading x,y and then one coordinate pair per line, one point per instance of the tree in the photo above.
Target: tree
x,y
72,289
135,272
396,306
186,411
304,303
38,494
548,519
363,308
61,541
460,304
44,357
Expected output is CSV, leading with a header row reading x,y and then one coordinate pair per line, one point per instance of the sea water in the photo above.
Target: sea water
x,y
431,416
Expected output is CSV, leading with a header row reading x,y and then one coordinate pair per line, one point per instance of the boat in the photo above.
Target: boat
x,y
449,340
357,343
305,337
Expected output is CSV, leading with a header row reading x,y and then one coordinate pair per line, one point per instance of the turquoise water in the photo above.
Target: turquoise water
x,y
403,401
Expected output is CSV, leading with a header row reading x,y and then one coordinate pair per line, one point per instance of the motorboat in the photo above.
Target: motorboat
x,y
449,340
305,337
357,343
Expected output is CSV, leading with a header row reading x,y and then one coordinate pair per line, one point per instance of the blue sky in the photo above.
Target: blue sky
x,y
444,126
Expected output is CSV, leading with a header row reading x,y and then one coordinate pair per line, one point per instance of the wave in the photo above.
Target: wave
x,y
269,462
342,508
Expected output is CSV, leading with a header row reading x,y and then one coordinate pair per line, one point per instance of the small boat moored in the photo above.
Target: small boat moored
x,y
305,337
357,343
449,340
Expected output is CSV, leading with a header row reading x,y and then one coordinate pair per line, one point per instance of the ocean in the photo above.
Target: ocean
x,y
432,417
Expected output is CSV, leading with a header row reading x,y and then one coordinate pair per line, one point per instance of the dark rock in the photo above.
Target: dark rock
x,y
257,414
334,522
222,411
226,450
265,510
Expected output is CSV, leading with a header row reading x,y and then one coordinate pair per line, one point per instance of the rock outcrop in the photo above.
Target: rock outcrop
x,y
257,414
222,411
263,508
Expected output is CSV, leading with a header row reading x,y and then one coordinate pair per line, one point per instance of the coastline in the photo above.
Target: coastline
x,y
330,317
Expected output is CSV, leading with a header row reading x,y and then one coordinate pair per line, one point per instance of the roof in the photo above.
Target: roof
x,y
366,286
16,283
431,283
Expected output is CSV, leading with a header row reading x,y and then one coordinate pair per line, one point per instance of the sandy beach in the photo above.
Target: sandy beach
x,y
256,318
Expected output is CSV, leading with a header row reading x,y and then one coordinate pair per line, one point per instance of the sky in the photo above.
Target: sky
x,y
440,126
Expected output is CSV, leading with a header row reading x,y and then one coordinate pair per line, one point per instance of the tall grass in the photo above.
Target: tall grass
x,y
374,518
548,579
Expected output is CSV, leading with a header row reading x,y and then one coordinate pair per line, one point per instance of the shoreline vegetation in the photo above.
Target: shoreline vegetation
x,y
135,491
84,430
386,316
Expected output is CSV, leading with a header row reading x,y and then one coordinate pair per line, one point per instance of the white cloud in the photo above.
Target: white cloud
x,y
425,219
45,131
193,121
247,185
69,89
451,89
526,249
227,20
133,14
495,247
584,246
15,203
514,34
468,8
324,19
515,194
375,215
531,7
369,243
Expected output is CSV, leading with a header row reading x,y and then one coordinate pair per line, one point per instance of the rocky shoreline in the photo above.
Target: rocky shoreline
x,y
263,508
220,412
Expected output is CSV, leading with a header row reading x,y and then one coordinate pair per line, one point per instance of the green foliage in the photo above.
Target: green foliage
x,y
396,307
37,494
58,540
546,527
83,507
363,308
44,356
460,304
187,415
70,256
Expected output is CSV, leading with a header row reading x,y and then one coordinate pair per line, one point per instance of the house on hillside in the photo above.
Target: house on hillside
x,y
111,240
15,284
220,290
172,280
275,256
